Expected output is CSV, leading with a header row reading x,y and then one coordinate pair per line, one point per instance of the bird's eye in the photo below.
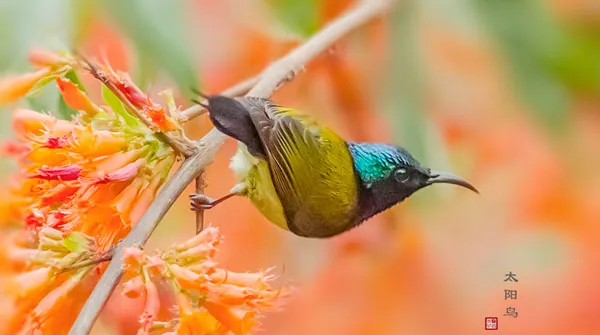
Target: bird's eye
x,y
401,175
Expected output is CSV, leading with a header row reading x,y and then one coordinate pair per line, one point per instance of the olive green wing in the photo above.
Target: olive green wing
x,y
311,169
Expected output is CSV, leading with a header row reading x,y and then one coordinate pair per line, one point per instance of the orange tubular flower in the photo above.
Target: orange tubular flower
x,y
75,98
238,320
27,123
151,308
134,287
43,58
48,65
229,302
16,87
195,322
30,282
97,143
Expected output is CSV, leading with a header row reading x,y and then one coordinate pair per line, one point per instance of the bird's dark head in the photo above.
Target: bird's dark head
x,y
389,174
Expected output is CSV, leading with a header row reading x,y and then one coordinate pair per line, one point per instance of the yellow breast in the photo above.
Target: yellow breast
x,y
254,174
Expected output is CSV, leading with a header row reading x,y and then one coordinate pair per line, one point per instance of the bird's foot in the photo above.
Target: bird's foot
x,y
199,202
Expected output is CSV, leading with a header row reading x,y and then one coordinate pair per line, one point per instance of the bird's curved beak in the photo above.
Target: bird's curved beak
x,y
441,177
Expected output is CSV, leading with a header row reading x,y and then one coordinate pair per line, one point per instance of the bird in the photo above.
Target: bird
x,y
303,177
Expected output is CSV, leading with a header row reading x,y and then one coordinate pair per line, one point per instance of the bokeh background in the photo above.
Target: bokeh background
x,y
503,92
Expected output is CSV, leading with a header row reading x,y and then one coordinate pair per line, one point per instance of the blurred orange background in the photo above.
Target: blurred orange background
x,y
504,93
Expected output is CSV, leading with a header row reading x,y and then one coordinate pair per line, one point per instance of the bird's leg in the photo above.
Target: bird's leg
x,y
201,202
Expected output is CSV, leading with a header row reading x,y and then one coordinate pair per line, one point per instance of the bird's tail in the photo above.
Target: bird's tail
x,y
230,117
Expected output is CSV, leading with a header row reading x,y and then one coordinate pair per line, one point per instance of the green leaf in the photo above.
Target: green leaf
x,y
301,16
42,101
74,78
45,100
404,89
530,38
41,84
118,108
158,30
576,62
146,70
76,242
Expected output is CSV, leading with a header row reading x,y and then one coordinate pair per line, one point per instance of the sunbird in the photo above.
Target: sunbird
x,y
304,177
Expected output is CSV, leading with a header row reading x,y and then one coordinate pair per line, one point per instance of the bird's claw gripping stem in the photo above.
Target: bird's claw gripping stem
x,y
200,202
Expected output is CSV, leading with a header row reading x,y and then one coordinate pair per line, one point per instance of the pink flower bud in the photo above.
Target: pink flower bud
x,y
65,172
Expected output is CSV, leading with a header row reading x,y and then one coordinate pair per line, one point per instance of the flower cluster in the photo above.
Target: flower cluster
x,y
95,174
88,179
81,185
210,300
50,280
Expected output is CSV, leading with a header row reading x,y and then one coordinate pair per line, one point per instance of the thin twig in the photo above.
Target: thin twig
x,y
88,262
197,110
273,77
99,258
237,90
287,67
200,212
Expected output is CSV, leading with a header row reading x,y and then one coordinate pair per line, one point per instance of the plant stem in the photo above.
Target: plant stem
x,y
200,212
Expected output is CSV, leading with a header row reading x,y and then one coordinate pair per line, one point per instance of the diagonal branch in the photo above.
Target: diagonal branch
x,y
286,68
269,81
